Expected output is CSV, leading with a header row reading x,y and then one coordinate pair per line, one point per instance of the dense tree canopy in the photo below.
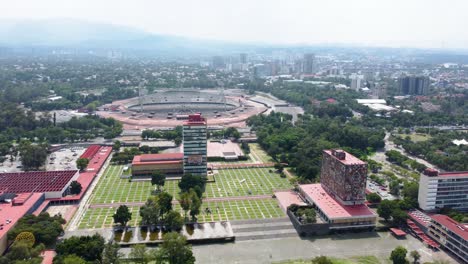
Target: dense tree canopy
x,y
301,145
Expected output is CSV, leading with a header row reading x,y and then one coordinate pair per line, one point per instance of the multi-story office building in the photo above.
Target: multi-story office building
x,y
344,176
356,81
451,235
309,66
413,85
443,189
195,151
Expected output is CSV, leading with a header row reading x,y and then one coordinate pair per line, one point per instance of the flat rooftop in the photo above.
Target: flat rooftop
x,y
454,174
287,198
331,207
162,158
222,149
348,160
35,181
14,213
454,226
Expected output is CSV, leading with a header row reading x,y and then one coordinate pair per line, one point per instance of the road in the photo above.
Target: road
x,y
389,145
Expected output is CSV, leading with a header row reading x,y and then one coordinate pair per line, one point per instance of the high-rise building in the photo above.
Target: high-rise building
x,y
443,189
344,176
413,85
195,151
356,81
243,58
309,66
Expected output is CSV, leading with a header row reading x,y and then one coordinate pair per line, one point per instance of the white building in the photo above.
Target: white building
x,y
443,189
356,81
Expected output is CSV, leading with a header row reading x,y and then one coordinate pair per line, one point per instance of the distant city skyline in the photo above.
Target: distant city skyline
x,y
397,23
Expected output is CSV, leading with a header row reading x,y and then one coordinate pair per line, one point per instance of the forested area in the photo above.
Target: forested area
x,y
439,149
18,124
301,145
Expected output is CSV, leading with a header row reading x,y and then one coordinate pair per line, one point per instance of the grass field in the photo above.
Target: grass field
x,y
229,182
415,137
257,153
220,211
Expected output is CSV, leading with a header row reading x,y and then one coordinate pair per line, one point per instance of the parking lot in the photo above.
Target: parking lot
x,y
64,159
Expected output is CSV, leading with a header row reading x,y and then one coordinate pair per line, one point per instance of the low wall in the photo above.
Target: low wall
x,y
308,229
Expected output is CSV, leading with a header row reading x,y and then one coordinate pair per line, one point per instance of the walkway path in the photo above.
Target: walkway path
x,y
219,199
85,201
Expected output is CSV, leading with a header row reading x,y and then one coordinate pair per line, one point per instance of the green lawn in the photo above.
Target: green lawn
x,y
415,137
258,153
229,182
220,211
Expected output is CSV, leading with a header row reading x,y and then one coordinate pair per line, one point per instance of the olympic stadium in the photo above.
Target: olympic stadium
x,y
170,107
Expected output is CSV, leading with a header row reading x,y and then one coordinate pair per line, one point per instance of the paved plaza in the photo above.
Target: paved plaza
x,y
340,246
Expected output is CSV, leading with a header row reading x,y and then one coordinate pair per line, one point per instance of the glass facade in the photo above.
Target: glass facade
x,y
195,152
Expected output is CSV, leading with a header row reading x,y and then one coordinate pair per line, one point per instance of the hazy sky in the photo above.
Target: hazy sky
x,y
398,23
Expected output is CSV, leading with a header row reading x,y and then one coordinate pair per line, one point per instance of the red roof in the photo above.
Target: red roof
x,y
85,178
14,213
90,152
454,226
287,198
332,208
454,174
398,232
35,181
195,119
163,158
349,159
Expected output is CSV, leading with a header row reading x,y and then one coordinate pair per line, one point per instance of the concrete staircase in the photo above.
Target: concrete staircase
x,y
263,229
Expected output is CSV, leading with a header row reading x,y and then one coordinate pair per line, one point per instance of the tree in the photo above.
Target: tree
x,y
416,256
82,163
45,228
26,237
385,209
164,200
150,212
73,259
116,146
23,251
398,255
185,201
399,217
158,179
122,215
174,221
395,187
75,187
139,254
189,181
111,254
374,198
174,250
279,167
33,156
87,247
195,205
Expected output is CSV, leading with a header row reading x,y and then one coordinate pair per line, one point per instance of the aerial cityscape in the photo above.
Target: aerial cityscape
x,y
233,132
